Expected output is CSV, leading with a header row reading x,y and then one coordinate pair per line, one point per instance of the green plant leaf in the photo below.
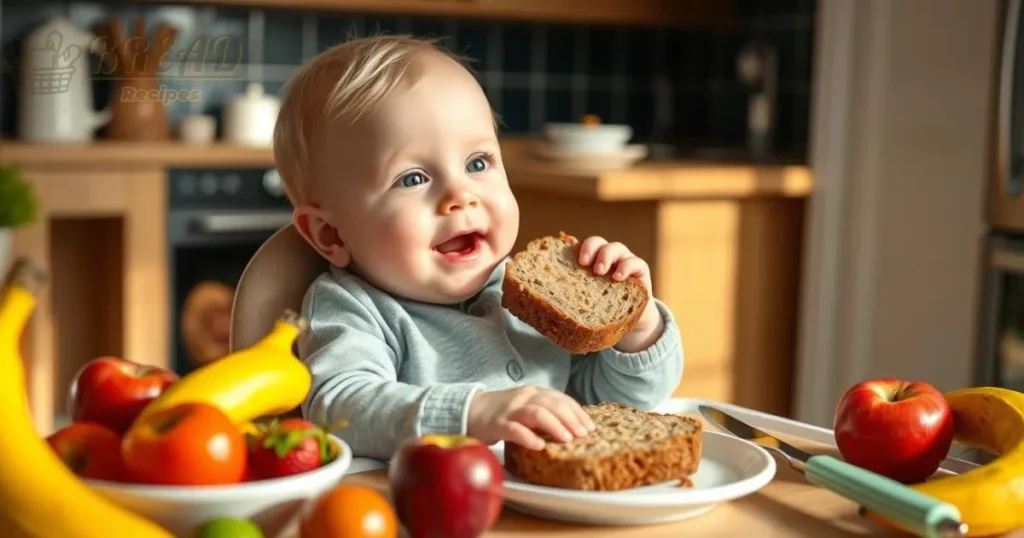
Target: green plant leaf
x,y
18,203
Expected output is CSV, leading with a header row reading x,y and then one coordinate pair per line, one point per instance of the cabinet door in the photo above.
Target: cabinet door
x,y
100,236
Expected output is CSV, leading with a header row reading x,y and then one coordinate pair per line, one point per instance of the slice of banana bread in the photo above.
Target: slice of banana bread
x,y
628,449
546,288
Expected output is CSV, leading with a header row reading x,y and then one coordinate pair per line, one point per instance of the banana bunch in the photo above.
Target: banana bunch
x,y
39,496
991,497
262,380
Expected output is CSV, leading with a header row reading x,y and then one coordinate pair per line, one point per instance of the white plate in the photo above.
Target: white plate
x,y
730,468
622,158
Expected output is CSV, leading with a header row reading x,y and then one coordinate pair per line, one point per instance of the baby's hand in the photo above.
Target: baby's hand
x,y
513,414
615,259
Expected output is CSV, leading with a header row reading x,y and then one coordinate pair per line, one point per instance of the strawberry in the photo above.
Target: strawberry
x,y
288,447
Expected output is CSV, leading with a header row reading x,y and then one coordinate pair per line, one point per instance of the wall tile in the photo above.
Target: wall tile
x,y
692,116
516,109
473,43
558,106
228,32
599,102
640,53
532,72
283,37
431,27
602,51
640,111
333,29
561,46
385,24
517,44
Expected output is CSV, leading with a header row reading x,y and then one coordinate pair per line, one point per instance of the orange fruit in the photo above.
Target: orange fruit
x,y
350,511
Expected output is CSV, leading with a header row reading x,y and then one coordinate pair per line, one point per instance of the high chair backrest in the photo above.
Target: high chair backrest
x,y
275,279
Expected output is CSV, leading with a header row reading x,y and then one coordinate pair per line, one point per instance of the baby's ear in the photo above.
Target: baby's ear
x,y
314,226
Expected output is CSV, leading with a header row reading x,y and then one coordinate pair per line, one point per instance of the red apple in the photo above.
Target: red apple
x,y
89,450
899,429
447,486
113,391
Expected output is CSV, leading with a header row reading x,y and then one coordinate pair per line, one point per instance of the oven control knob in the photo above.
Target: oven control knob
x,y
208,184
232,184
272,184
187,185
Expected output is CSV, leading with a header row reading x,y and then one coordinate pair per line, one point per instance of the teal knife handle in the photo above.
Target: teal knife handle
x,y
915,511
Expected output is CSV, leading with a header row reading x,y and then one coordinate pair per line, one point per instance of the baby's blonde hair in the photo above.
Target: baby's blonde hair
x,y
343,82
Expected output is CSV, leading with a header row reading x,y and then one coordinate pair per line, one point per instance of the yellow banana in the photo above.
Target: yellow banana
x,y
991,497
39,496
260,380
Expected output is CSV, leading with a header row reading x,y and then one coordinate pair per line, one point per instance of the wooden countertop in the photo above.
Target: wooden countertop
x,y
675,179
135,154
680,179
788,506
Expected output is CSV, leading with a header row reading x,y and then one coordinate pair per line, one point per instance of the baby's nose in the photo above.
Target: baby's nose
x,y
458,200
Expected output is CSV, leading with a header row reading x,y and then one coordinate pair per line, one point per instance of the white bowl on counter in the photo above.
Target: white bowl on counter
x,y
587,139
272,504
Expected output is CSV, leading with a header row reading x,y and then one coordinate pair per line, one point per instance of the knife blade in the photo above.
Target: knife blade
x,y
914,511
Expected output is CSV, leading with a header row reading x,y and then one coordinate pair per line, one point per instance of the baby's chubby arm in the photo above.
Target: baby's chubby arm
x,y
355,378
646,365
642,379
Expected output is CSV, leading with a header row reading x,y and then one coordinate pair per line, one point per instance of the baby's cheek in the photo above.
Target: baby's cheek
x,y
407,242
504,209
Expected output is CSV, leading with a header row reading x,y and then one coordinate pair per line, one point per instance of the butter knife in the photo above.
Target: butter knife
x,y
916,512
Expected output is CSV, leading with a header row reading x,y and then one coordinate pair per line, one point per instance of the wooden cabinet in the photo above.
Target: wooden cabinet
x,y
684,13
724,244
99,236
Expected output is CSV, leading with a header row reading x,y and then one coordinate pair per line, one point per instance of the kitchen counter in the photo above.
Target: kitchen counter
x,y
134,154
723,239
673,179
677,178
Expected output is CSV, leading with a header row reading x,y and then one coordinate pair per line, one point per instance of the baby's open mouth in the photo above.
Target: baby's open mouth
x,y
460,247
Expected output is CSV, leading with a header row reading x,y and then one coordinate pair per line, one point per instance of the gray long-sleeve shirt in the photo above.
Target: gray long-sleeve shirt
x,y
394,367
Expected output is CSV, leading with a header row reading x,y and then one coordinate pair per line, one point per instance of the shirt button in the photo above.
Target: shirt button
x,y
478,310
514,370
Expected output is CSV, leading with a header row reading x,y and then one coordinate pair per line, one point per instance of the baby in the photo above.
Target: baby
x,y
389,152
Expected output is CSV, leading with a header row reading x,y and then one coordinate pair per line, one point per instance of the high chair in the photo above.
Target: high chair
x,y
275,279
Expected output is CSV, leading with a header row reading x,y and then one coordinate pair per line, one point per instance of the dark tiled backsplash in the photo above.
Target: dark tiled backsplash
x,y
670,85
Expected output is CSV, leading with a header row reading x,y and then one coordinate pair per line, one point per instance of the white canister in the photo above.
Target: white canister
x,y
249,118
198,129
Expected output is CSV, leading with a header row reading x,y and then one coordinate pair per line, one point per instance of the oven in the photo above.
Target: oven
x,y
217,219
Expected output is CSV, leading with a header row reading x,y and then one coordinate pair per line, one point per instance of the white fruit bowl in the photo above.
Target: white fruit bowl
x,y
587,139
271,504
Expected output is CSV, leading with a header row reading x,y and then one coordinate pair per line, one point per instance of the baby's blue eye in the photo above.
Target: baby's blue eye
x,y
413,179
477,165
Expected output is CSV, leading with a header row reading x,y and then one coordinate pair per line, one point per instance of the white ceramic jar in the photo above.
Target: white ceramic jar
x,y
249,118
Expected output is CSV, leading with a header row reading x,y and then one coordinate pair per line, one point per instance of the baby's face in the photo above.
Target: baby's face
x,y
418,192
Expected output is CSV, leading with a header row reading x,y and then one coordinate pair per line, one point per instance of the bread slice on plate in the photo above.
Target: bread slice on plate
x,y
629,449
547,288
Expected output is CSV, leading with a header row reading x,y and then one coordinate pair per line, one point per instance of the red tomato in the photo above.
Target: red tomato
x,y
188,444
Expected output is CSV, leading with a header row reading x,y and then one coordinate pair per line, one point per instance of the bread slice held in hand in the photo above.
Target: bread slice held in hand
x,y
629,449
546,287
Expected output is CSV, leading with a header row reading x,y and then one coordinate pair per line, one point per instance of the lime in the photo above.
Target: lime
x,y
229,527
